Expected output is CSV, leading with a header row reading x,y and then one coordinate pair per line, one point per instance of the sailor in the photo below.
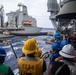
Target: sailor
x,y
4,70
58,68
57,37
55,47
39,51
64,42
55,52
68,53
30,65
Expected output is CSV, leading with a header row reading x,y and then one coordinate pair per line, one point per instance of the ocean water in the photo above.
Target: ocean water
x,y
17,43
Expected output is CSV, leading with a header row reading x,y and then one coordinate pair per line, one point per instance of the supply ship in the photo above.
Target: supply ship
x,y
18,21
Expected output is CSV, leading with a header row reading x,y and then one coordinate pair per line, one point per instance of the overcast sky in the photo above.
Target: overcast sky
x,y
36,9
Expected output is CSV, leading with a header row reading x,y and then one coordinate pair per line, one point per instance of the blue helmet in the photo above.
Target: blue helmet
x,y
57,35
2,52
63,43
55,46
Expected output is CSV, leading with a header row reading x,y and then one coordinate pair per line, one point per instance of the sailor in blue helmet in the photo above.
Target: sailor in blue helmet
x,y
64,42
4,70
57,37
55,52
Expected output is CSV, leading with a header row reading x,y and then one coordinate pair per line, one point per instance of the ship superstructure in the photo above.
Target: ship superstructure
x,y
19,20
20,17
53,8
62,14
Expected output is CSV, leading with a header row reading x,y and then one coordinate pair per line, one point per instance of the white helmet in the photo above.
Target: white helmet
x,y
68,51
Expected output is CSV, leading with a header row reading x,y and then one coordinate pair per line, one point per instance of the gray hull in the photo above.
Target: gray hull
x,y
32,29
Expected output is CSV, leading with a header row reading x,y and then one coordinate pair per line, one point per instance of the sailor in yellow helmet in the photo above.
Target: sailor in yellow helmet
x,y
30,65
38,53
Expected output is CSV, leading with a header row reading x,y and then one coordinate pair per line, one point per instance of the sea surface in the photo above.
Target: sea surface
x,y
16,44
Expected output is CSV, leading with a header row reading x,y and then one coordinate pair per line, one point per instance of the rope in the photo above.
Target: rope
x,y
46,55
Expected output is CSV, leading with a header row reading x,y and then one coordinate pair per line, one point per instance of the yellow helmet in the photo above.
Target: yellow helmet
x,y
29,47
33,39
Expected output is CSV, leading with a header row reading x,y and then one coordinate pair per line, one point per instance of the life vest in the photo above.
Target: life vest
x,y
64,42
58,42
30,67
3,69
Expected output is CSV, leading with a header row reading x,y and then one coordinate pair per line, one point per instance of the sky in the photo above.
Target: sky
x,y
36,9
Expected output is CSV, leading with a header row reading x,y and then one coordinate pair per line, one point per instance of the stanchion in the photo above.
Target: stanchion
x,y
7,42
13,50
